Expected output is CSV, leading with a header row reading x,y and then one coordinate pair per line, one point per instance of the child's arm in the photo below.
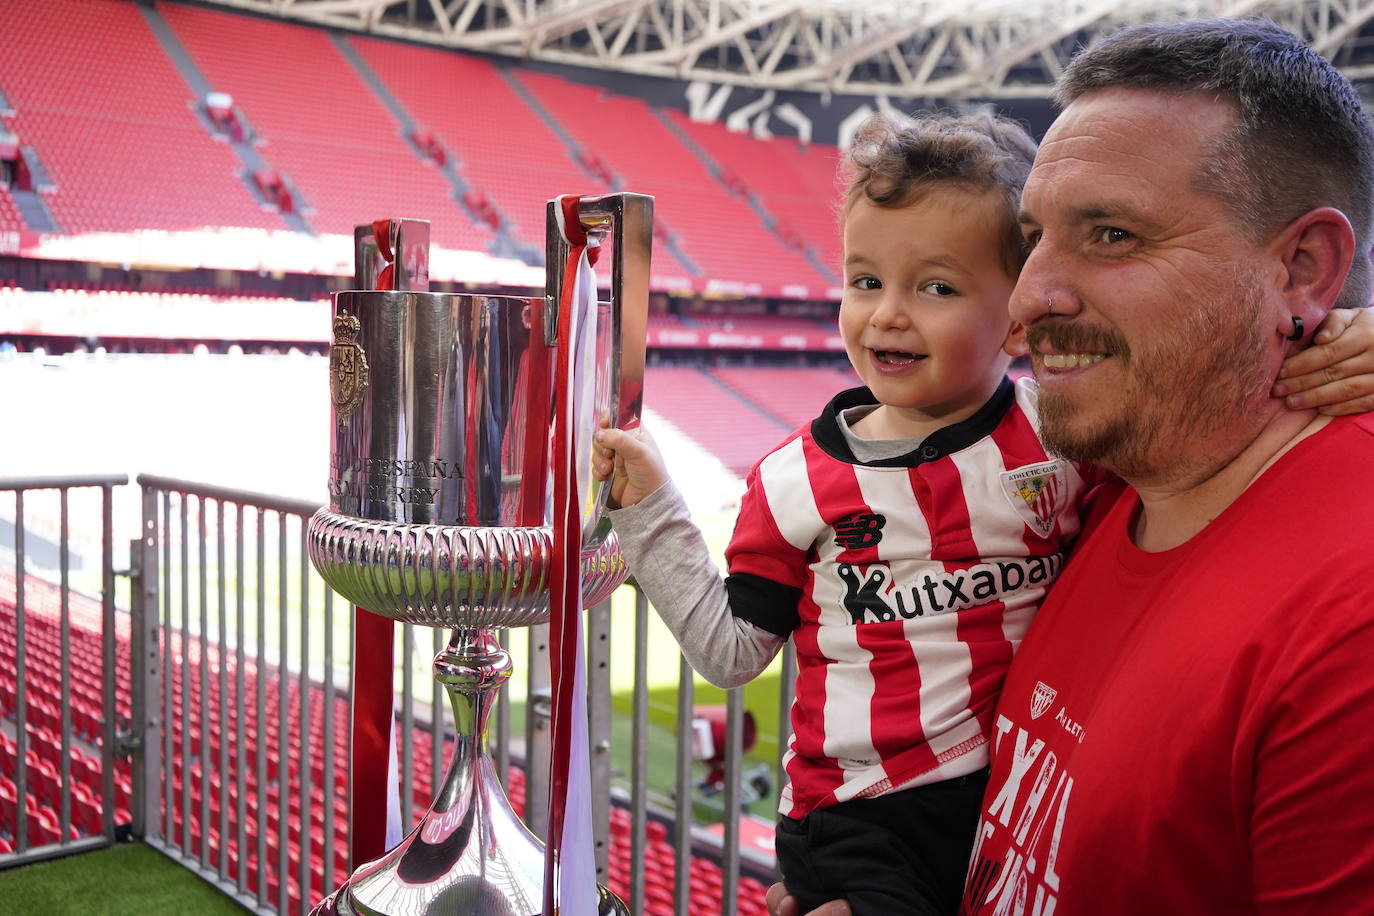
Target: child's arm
x,y
1336,373
673,567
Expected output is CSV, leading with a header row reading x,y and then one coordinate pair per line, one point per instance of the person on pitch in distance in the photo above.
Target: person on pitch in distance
x,y
903,539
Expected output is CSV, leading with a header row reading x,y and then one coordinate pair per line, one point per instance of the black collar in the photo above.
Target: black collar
x,y
825,429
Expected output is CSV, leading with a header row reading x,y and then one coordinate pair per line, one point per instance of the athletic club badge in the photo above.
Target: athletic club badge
x,y
1037,492
347,366
1041,699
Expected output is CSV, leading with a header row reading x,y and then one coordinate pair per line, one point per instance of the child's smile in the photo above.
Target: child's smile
x,y
895,360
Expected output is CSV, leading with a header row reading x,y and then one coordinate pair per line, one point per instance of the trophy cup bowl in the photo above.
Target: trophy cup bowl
x,y
439,499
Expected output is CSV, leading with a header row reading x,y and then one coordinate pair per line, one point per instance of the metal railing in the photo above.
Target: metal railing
x,y
240,708
41,788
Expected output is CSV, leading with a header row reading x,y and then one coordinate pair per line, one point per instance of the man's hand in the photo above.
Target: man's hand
x,y
630,460
1335,374
780,903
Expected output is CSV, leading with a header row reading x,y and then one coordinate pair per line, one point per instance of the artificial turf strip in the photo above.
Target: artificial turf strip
x,y
128,878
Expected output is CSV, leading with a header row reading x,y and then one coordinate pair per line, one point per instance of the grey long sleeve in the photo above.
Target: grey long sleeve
x,y
669,559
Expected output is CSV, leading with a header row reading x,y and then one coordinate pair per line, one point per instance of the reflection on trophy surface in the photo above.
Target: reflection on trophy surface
x,y
440,486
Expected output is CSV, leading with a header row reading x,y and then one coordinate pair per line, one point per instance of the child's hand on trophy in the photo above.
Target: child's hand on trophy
x,y
629,459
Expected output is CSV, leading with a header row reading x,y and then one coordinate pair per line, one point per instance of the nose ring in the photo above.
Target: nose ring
x,y
1050,306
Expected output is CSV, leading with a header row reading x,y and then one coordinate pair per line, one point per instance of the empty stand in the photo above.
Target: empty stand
x,y
780,325
321,125
112,123
10,220
735,430
795,396
114,126
503,149
797,184
720,233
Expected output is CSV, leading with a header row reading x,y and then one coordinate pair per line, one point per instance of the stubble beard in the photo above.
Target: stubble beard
x,y
1176,391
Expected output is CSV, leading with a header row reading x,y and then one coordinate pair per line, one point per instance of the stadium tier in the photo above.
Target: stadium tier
x,y
718,232
503,150
794,396
10,220
794,183
208,815
112,123
726,423
110,102
321,125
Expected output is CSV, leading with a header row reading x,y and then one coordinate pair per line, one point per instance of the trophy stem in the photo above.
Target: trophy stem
x,y
472,668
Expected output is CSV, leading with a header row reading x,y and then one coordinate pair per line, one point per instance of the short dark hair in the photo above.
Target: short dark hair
x,y
1301,139
894,159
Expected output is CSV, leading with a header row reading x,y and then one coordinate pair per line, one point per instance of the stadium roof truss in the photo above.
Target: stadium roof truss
x,y
902,48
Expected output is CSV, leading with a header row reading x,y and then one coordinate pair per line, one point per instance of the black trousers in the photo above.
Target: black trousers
x,y
902,853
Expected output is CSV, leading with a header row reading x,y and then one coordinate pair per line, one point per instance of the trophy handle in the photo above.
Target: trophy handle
x,y
629,221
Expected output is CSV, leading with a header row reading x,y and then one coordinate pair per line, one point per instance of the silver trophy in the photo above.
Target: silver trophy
x,y
439,498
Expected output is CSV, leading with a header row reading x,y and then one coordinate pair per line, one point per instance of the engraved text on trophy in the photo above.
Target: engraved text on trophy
x,y
410,480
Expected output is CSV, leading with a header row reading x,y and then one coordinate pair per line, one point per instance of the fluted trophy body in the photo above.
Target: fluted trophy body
x,y
440,489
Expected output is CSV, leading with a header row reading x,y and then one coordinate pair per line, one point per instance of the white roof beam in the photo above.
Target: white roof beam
x,y
781,43
574,18
441,16
627,30
889,36
724,34
464,20
1328,44
1022,50
343,7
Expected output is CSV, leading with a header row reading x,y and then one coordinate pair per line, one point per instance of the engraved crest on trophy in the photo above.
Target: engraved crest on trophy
x,y
347,367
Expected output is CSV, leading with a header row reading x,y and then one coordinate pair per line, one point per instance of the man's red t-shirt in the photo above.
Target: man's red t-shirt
x,y
1192,731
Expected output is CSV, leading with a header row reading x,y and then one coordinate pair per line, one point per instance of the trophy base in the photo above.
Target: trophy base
x,y
487,865
340,903
469,855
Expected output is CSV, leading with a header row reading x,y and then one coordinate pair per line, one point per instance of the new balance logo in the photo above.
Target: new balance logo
x,y
860,530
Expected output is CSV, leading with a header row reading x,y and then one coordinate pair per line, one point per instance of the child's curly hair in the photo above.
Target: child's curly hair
x,y
895,159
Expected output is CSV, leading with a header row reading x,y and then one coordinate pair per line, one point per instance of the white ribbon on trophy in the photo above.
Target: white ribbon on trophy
x,y
570,874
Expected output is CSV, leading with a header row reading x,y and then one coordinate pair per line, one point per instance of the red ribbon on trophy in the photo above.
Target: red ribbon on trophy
x,y
374,784
569,867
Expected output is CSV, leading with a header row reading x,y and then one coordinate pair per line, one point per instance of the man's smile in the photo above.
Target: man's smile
x,y
1070,360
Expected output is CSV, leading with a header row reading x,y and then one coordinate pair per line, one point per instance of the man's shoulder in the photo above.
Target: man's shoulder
x,y
1335,456
1364,423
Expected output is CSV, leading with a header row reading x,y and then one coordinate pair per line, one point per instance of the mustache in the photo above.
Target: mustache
x,y
1067,336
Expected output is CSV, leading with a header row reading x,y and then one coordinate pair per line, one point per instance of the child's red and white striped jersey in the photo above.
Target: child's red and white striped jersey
x,y
907,585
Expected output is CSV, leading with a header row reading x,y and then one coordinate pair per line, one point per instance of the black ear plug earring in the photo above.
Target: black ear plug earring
x,y
1297,329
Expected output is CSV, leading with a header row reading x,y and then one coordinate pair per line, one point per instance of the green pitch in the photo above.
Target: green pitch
x,y
127,878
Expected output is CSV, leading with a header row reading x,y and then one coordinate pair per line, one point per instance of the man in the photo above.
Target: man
x,y
1187,726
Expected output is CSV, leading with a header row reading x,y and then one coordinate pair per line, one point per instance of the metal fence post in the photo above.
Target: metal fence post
x,y
145,679
538,702
599,728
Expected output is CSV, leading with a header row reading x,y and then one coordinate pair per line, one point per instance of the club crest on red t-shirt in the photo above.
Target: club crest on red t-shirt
x,y
1041,699
1037,492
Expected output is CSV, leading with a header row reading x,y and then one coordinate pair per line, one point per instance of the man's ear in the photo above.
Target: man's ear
x,y
1016,343
1315,252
